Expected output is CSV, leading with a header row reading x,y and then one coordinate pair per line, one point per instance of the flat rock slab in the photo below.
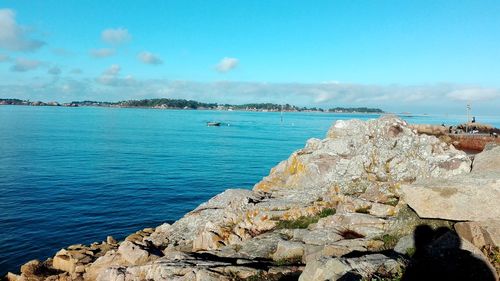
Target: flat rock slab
x,y
472,197
488,160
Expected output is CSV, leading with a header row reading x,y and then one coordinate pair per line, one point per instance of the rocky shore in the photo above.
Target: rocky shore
x,y
482,135
374,199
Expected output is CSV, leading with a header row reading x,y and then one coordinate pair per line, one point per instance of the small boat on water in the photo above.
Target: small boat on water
x,y
213,124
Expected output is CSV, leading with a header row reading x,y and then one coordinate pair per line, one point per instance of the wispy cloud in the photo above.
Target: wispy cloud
x,y
113,85
111,77
149,58
226,64
113,70
474,94
14,37
116,36
102,53
23,65
54,70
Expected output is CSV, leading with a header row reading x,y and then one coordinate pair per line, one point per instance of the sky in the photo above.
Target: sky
x,y
414,56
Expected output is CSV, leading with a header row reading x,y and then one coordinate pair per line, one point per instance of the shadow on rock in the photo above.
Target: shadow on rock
x,y
438,256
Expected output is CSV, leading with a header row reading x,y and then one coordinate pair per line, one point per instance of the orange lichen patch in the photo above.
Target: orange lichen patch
x,y
252,213
295,166
392,212
225,232
268,183
290,176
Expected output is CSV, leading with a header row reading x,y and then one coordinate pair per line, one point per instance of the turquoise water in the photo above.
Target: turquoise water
x,y
76,175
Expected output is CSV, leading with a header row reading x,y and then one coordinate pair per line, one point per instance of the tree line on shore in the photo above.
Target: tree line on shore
x,y
192,104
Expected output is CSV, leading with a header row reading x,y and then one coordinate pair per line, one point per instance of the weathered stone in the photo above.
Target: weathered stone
x,y
385,149
339,248
134,237
13,277
406,220
148,230
262,246
111,258
208,238
464,198
160,236
334,268
480,233
351,204
321,236
488,160
363,224
405,244
76,247
66,260
137,254
287,250
111,240
31,268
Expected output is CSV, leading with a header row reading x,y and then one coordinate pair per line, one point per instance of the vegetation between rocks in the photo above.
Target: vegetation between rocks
x,y
389,240
493,255
304,221
289,261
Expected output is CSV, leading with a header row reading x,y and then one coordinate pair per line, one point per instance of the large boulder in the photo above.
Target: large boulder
x,y
362,267
488,160
71,261
384,149
465,198
137,253
480,233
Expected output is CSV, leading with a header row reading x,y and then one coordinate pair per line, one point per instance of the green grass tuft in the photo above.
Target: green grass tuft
x,y
304,222
327,212
390,241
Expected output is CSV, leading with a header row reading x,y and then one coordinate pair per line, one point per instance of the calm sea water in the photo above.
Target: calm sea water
x,y
76,175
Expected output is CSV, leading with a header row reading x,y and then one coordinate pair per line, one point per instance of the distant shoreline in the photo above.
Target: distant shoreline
x,y
181,104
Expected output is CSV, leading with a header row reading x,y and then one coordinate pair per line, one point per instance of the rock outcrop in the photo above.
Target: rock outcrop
x,y
474,197
332,209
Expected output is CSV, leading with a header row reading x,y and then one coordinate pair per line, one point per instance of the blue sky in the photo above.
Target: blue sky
x,y
418,56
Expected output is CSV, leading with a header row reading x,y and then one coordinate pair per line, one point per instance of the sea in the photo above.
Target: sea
x,y
76,175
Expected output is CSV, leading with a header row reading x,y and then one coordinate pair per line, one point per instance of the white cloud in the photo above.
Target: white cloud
x,y
474,94
111,77
113,70
102,53
149,58
226,64
116,36
14,37
112,84
23,65
54,70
